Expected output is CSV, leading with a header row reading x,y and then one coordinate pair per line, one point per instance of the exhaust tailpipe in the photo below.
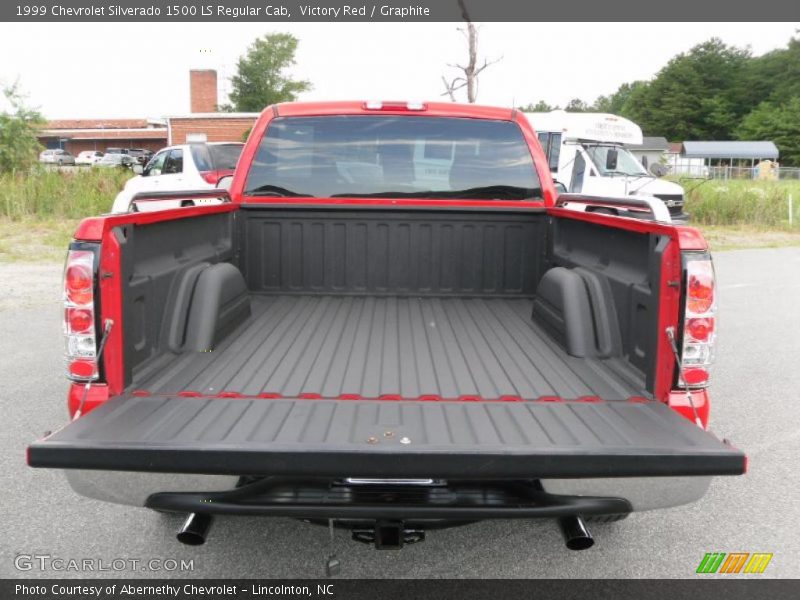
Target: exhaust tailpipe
x,y
576,536
194,530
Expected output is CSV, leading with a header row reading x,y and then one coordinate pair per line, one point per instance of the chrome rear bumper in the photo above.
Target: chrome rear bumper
x,y
134,488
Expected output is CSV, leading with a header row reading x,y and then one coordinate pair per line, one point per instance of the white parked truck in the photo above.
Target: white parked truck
x,y
587,155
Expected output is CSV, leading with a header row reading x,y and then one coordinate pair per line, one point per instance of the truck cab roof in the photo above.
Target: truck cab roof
x,y
357,107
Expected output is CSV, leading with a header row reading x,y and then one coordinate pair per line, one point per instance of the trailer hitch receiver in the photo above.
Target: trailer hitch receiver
x,y
388,535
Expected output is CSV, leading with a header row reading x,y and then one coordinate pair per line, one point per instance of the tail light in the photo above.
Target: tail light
x,y
79,316
395,106
211,177
699,326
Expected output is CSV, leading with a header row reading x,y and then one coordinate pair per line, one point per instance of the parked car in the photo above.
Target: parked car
x,y
141,155
111,160
88,157
184,167
56,157
396,325
115,150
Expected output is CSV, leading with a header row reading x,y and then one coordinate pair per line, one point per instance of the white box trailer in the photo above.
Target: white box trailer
x,y
587,155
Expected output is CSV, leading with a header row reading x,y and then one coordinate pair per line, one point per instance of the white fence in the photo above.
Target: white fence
x,y
728,172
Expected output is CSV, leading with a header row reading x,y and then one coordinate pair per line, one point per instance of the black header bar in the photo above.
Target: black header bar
x,y
287,11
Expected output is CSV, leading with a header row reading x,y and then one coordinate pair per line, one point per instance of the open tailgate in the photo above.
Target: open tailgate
x,y
387,438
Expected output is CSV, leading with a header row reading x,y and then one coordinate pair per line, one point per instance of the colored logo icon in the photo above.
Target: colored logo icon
x,y
734,562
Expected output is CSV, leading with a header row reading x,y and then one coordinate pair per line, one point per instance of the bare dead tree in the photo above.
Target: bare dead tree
x,y
471,70
451,87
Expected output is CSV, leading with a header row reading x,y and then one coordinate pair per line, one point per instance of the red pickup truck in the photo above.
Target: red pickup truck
x,y
390,325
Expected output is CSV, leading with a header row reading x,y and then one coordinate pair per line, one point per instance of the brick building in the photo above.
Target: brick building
x,y
203,91
209,127
204,123
77,135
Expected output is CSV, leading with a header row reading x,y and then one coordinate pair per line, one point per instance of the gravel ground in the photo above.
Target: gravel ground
x,y
29,285
755,394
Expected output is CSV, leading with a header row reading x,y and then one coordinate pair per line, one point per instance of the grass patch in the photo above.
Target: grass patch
x,y
736,237
35,240
39,211
60,194
749,204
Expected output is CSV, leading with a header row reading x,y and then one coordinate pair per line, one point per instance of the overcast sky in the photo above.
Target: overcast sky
x,y
87,70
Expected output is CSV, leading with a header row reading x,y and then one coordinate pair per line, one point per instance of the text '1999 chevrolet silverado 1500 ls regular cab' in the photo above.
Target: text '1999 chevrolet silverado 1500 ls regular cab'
x,y
392,326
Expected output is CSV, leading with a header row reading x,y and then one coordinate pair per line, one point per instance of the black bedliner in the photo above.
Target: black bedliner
x,y
372,346
387,438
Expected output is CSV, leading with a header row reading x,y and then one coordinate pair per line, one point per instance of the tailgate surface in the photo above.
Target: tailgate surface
x,y
387,438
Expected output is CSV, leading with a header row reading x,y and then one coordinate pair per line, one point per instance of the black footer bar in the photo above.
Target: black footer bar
x,y
177,589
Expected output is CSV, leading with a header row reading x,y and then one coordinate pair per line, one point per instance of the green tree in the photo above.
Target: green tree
x,y
617,103
716,91
540,106
19,147
774,76
261,77
577,105
695,96
778,123
720,117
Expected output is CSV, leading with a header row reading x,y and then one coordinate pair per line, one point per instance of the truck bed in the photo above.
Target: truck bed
x,y
403,347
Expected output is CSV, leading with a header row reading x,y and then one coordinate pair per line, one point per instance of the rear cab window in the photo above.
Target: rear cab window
x,y
394,157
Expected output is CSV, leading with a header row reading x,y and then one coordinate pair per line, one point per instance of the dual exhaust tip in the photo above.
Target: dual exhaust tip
x,y
576,535
195,529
